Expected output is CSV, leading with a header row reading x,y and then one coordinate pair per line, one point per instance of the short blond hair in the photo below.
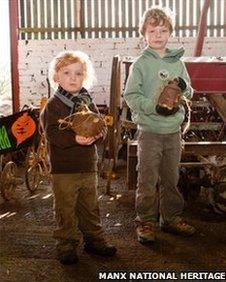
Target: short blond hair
x,y
66,58
156,16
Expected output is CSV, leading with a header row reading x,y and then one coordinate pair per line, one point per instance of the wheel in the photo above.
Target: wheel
x,y
31,157
33,177
9,181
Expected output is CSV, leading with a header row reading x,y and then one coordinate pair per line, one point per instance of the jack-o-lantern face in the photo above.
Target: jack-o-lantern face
x,y
23,128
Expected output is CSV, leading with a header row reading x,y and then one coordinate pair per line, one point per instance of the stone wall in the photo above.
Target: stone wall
x,y
35,55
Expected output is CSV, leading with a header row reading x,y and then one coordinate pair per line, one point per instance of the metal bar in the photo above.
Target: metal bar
x,y
35,18
110,17
102,18
96,17
224,18
190,148
21,16
89,17
42,17
55,14
123,28
193,164
62,29
80,13
130,16
68,16
103,28
28,16
191,16
137,16
205,148
116,18
218,17
214,126
211,17
205,126
219,103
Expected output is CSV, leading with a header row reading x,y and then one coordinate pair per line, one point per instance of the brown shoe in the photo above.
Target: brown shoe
x,y
179,227
100,247
146,232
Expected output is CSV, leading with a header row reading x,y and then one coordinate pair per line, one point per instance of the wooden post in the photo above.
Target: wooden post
x,y
79,18
13,16
201,29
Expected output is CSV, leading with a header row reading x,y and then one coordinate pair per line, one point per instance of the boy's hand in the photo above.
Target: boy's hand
x,y
87,140
181,83
84,140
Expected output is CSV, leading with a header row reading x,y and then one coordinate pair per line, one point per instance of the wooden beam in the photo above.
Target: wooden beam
x,y
13,17
201,29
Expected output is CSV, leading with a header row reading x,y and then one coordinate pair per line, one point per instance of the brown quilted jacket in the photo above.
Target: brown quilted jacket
x,y
66,156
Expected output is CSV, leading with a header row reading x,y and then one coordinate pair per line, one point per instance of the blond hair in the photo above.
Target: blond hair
x,y
66,58
157,16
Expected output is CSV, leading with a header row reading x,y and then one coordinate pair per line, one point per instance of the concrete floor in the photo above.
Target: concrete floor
x,y
28,250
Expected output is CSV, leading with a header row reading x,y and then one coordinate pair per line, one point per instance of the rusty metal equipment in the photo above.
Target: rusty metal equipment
x,y
112,120
37,166
37,162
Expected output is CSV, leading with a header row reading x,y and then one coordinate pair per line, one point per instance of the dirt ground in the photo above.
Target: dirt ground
x,y
28,250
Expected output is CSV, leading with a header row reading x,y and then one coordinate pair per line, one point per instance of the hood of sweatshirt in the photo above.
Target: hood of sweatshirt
x,y
171,55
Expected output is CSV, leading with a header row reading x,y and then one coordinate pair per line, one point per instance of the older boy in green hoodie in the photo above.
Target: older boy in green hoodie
x,y
159,138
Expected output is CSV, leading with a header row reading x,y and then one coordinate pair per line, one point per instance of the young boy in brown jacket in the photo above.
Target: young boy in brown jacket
x,y
73,160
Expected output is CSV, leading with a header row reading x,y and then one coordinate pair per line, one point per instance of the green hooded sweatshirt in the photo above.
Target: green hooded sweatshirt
x,y
148,76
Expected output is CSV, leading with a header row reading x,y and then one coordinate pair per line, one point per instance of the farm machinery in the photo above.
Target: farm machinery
x,y
203,163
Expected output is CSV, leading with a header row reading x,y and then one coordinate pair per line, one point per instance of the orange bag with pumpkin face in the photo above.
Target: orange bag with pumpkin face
x,y
23,128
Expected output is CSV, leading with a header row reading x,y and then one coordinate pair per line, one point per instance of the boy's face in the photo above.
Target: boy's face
x,y
157,37
71,77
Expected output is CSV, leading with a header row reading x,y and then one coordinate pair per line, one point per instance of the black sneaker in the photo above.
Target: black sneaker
x,y
68,258
101,248
67,253
179,227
